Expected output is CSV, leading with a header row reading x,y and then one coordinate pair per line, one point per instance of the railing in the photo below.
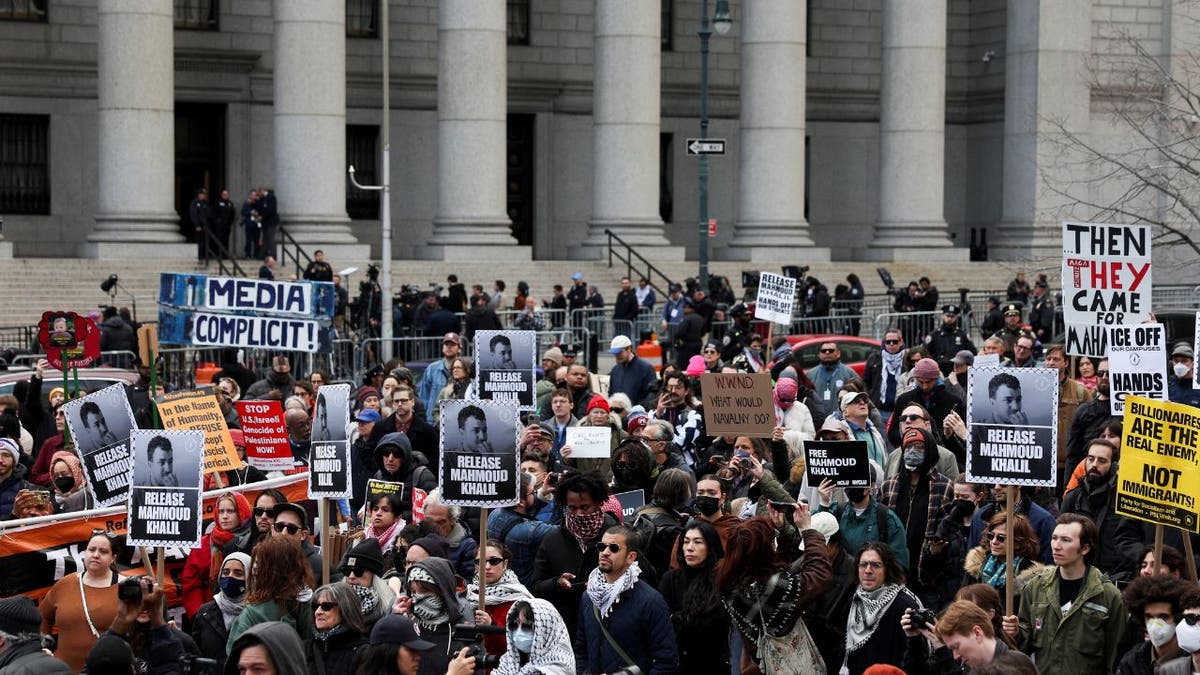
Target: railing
x,y
628,257
290,249
18,337
425,350
222,257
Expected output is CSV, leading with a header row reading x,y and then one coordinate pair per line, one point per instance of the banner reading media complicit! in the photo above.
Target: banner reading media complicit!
x,y
204,311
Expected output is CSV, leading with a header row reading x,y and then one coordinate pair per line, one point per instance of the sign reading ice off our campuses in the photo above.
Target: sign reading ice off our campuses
x,y
1106,282
1137,364
776,295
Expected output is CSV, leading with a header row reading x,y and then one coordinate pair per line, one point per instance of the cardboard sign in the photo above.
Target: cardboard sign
x,y
100,424
198,409
147,341
479,465
506,366
329,462
377,488
165,478
1012,426
1137,364
738,404
843,462
1106,282
1159,476
776,297
68,339
630,502
589,442
267,446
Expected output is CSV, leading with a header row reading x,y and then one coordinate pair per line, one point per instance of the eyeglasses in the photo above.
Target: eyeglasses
x,y
260,512
495,561
913,418
325,606
611,548
870,565
291,529
1022,347
828,351
398,401
997,537
892,342
1191,619
1101,373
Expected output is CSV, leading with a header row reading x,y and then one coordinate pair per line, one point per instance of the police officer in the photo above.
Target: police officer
x,y
1041,313
739,333
1013,328
948,339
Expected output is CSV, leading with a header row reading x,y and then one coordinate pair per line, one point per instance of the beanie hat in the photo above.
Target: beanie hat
x,y
913,436
786,388
110,654
365,392
56,390
553,354
366,554
10,446
695,366
597,402
926,369
826,523
19,615
636,422
240,557
436,546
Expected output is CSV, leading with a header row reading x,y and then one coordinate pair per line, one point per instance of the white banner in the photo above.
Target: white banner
x,y
1106,281
776,295
1137,363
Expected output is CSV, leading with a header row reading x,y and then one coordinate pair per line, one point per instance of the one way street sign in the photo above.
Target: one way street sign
x,y
706,146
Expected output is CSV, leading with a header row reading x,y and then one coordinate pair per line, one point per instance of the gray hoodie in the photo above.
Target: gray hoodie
x,y
282,643
435,661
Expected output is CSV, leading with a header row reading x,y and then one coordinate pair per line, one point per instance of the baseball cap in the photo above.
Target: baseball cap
x,y
1183,349
577,276
291,508
849,397
451,337
964,358
619,344
368,415
396,629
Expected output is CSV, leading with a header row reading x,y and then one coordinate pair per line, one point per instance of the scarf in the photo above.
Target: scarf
x,y
552,653
324,635
505,589
993,570
220,537
585,527
386,537
866,609
893,366
230,609
367,599
604,594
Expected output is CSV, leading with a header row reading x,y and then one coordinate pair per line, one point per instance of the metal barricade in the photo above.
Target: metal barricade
x,y
836,324
1175,296
550,317
18,337
914,326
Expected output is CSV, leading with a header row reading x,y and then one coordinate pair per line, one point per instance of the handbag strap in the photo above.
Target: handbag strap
x,y
611,642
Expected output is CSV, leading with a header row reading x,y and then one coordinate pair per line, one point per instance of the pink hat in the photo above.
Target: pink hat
x,y
695,366
786,387
927,369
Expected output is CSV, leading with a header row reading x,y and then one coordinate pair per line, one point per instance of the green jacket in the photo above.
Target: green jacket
x,y
1082,642
857,530
299,618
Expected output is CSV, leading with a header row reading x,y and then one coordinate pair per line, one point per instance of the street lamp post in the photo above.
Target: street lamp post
x,y
385,206
721,23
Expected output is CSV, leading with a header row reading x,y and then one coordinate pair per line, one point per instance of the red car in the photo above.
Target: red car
x,y
855,350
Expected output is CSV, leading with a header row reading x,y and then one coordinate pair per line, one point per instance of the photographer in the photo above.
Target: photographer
x,y
161,646
964,633
21,642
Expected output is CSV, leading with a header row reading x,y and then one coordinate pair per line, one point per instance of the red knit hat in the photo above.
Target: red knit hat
x,y
597,402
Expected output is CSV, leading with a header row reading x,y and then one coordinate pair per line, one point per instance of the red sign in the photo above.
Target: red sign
x,y
69,340
712,227
266,436
418,510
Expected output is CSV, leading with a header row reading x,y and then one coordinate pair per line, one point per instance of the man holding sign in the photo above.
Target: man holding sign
x,y
1096,497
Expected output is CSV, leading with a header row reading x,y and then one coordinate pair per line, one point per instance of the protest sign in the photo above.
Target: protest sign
x,y
776,295
1137,364
630,502
198,409
1106,282
589,442
843,462
738,404
479,464
505,366
1159,476
329,451
1012,426
165,479
100,424
982,360
378,488
68,339
267,446
418,507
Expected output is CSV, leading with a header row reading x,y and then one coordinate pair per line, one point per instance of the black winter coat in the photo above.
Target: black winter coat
x,y
559,552
940,403
210,633
1120,537
334,655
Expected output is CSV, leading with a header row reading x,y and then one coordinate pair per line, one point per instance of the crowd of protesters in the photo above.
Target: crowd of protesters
x,y
735,563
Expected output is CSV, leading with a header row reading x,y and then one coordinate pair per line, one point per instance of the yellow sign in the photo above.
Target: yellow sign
x,y
1159,475
198,409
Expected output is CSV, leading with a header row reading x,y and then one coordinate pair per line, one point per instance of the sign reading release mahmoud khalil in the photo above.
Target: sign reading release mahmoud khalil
x,y
165,506
1012,426
478,453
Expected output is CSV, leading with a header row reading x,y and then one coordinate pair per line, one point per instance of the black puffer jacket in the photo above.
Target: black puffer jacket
x,y
335,654
559,553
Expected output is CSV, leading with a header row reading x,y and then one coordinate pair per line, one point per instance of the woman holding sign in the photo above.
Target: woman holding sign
x,y
501,591
83,604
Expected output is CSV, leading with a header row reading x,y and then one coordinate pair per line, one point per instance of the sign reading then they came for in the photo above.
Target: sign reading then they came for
x,y
1159,475
1106,282
738,404
776,295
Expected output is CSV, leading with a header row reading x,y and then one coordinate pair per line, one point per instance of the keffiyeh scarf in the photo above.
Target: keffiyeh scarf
x,y
367,600
604,594
551,654
866,609
506,589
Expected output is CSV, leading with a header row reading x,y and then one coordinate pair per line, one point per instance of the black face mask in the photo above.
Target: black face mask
x,y
708,505
962,508
64,483
626,476
856,494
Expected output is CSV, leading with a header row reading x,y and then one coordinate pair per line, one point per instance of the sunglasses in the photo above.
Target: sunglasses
x,y
1191,619
495,561
611,548
1101,373
513,625
354,571
617,409
913,418
892,342
325,606
260,512
992,536
108,534
398,401
291,529
828,351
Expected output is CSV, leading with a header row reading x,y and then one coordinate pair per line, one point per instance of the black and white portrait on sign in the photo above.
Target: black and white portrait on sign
x,y
331,414
479,453
100,424
505,366
1012,418
329,463
165,493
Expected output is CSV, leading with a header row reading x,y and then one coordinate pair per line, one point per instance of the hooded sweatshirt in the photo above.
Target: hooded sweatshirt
x,y
435,661
413,471
282,643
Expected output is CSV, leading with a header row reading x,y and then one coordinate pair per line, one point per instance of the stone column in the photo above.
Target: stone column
x,y
310,124
472,200
1048,42
771,225
912,121
626,118
135,163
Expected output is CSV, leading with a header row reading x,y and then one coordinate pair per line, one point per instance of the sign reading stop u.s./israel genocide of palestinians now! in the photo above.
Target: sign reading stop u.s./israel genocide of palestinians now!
x,y
738,404
195,309
505,366
165,493
1137,364
1106,282
1158,479
267,446
478,453
1012,426
776,295
329,452
100,424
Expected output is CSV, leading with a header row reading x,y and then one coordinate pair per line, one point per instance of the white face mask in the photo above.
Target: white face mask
x,y
1188,637
1181,369
1160,631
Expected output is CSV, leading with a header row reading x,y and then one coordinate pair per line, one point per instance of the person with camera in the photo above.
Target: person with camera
x,y
624,624
21,650
964,638
873,631
80,604
146,642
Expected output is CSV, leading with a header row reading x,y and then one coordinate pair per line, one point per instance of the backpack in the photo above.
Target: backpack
x,y
657,529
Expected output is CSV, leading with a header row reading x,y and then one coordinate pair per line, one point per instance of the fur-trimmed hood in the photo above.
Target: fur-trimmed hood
x,y
973,564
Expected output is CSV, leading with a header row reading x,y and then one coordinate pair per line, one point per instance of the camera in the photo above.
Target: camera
x,y
786,509
471,637
923,618
194,665
553,478
129,591
746,463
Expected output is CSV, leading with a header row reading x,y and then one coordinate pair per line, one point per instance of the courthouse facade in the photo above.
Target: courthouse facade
x,y
855,129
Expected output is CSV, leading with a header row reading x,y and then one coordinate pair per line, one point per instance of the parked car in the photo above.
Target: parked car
x,y
90,379
855,350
